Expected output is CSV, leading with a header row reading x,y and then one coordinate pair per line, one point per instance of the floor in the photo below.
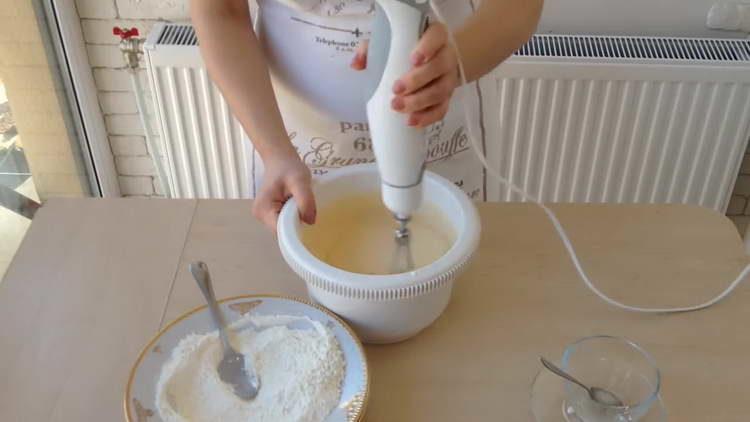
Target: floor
x,y
15,175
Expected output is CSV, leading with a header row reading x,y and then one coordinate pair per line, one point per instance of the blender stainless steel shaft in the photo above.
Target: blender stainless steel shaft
x,y
400,150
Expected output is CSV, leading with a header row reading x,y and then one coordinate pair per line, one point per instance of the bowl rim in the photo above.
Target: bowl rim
x,y
455,258
358,343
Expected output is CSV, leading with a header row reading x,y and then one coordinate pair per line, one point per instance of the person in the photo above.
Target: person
x,y
294,80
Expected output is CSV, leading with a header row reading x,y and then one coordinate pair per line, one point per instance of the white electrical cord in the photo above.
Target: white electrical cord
x,y
553,218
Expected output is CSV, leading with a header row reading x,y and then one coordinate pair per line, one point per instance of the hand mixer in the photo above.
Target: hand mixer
x,y
400,150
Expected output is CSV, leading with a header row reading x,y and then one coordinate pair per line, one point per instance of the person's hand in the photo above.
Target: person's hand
x,y
284,178
425,91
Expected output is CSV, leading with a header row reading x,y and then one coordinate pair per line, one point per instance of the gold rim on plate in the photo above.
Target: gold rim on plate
x,y
166,328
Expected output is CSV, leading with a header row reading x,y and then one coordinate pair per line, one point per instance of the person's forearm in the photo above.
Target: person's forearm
x,y
495,31
236,63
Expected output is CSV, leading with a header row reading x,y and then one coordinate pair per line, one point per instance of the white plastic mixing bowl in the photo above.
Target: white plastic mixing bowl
x,y
383,308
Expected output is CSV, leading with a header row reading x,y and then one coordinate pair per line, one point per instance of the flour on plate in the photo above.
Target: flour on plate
x,y
301,373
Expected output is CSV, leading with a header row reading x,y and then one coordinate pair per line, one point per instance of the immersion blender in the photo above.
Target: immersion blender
x,y
400,150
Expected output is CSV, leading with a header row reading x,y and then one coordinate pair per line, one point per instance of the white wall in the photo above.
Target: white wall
x,y
630,17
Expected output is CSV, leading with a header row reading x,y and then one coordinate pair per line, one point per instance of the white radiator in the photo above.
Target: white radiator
x,y
569,118
208,154
620,119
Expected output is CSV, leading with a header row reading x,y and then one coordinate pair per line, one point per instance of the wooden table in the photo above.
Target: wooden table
x,y
95,279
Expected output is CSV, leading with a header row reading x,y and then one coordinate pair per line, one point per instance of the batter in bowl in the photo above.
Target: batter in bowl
x,y
356,234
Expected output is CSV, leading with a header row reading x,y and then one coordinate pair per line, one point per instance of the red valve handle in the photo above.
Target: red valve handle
x,y
125,33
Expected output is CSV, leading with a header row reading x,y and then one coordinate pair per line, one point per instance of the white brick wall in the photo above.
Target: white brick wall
x,y
135,165
136,185
126,136
104,55
100,9
122,102
149,9
123,146
123,124
108,79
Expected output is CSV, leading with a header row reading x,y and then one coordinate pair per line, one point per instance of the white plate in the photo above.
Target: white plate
x,y
140,392
548,405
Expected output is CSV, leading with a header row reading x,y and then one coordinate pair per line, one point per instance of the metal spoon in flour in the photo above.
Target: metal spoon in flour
x,y
597,394
232,369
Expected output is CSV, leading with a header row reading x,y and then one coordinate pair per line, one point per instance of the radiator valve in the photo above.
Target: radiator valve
x,y
130,45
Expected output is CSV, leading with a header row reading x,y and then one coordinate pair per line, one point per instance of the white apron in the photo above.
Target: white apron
x,y
310,45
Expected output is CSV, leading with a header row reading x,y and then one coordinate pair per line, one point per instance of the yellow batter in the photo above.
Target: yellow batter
x,y
356,234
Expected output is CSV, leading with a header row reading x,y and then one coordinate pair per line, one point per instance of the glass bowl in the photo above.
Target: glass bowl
x,y
617,365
